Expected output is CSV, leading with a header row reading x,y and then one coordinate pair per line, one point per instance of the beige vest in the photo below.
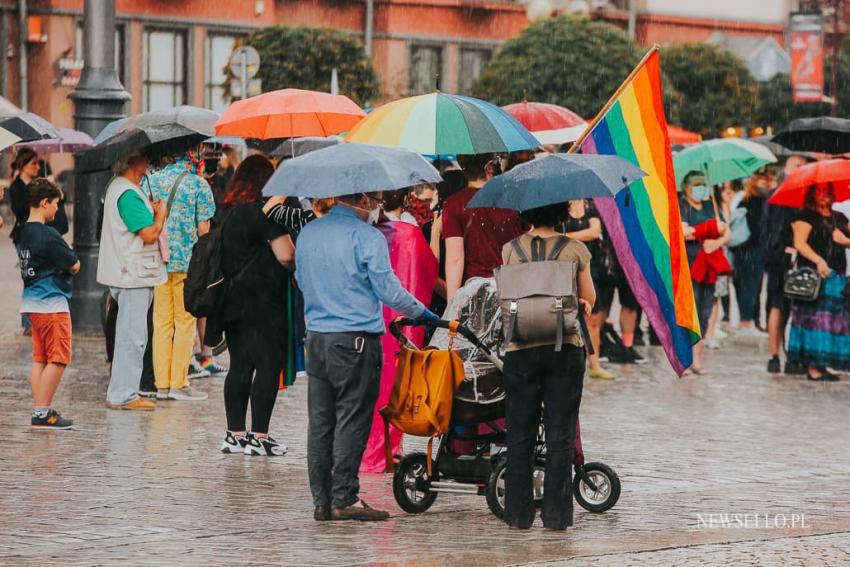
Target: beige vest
x,y
124,259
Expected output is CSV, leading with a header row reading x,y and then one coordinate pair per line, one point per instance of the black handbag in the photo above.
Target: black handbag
x,y
802,284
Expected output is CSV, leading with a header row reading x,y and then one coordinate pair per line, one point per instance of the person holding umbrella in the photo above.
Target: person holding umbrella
x,y
343,268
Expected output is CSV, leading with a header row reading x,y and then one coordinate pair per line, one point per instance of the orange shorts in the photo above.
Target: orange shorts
x,y
51,338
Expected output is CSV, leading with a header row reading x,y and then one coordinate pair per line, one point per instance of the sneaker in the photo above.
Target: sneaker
x,y
712,343
209,364
196,370
233,444
265,446
359,511
51,421
187,394
773,366
138,405
750,332
794,368
635,357
720,334
601,374
162,393
148,393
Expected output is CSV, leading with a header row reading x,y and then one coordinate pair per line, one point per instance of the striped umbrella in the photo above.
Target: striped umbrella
x,y
443,124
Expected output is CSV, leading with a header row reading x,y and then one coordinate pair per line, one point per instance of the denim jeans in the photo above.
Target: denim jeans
x,y
542,379
344,380
131,338
747,277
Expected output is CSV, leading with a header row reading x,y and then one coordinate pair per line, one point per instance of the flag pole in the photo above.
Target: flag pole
x,y
577,144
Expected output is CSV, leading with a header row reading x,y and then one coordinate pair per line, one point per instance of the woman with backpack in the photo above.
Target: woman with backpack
x,y
547,376
255,255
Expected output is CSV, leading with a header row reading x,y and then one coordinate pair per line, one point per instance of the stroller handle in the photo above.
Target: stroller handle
x,y
463,330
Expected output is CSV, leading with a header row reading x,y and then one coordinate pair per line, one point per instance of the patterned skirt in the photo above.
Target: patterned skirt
x,y
820,330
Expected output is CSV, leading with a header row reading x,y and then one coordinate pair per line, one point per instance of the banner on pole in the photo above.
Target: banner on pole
x,y
807,57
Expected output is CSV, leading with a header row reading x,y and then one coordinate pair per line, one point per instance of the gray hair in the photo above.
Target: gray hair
x,y
123,164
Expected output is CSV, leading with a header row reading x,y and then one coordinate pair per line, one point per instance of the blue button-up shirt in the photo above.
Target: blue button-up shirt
x,y
343,269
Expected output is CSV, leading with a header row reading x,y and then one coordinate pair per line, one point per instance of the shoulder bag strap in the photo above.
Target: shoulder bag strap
x,y
519,251
558,248
173,192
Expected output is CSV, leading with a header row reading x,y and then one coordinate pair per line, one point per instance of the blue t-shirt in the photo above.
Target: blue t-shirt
x,y
45,259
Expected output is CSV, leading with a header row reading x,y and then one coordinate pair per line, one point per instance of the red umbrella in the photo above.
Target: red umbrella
x,y
681,136
550,123
792,192
289,113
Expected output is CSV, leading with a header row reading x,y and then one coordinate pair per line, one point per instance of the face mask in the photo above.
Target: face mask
x,y
700,193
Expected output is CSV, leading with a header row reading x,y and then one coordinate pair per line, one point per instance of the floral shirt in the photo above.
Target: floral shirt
x,y
193,204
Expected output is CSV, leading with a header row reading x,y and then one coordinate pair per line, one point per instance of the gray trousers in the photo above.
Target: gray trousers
x,y
131,337
344,372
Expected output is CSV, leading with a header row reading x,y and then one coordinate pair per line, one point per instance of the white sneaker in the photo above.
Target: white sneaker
x,y
712,343
162,393
233,444
751,332
720,334
187,394
266,446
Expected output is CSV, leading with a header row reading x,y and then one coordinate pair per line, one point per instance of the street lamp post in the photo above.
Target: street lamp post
x,y
99,99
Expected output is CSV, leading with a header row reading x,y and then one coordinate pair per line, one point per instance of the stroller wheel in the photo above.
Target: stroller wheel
x,y
496,487
410,484
606,483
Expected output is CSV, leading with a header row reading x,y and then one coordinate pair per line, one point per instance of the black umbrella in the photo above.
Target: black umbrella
x,y
300,146
158,133
28,126
824,134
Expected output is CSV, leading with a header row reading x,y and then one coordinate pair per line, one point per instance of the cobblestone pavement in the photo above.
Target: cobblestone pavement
x,y
151,489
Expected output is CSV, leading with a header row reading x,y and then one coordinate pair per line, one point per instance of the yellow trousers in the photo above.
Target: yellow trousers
x,y
173,334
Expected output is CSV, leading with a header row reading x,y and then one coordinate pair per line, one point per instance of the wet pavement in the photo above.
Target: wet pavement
x,y
734,467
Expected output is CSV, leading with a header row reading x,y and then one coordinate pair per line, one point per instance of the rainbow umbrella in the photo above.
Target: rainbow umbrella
x,y
443,124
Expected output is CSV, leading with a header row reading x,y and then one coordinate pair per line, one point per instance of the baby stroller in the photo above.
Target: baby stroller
x,y
479,469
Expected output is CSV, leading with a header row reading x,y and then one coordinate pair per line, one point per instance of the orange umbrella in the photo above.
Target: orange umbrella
x,y
681,136
289,113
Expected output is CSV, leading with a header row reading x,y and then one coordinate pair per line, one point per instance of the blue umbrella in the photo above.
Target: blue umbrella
x,y
350,168
556,179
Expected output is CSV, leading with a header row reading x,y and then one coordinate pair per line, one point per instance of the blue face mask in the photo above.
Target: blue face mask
x,y
700,193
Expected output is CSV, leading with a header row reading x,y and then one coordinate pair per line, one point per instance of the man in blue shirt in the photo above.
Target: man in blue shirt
x,y
343,269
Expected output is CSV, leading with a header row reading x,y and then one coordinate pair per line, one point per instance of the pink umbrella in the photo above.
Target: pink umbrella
x,y
549,123
70,141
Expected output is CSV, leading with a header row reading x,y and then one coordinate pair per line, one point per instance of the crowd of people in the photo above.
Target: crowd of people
x,y
318,277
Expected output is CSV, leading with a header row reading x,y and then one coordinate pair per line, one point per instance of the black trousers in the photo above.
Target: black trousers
x,y
257,355
541,379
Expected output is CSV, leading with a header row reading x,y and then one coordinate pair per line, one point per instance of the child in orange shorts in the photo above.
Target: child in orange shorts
x,y
47,264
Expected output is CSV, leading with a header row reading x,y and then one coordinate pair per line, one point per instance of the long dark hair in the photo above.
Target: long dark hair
x,y
810,204
248,180
22,158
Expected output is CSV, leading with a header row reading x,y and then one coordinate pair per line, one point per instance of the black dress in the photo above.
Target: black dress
x,y
820,239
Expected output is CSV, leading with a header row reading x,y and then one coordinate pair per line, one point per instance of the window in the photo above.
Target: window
x,y
163,69
472,63
426,65
119,48
216,57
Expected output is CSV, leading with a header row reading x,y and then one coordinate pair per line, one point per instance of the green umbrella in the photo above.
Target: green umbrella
x,y
722,160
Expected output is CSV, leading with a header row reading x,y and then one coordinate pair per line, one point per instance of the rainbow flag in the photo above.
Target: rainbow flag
x,y
643,221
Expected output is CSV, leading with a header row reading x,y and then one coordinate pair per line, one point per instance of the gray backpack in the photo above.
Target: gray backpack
x,y
538,296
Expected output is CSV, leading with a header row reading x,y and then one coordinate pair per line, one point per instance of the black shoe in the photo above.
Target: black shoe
x,y
794,368
322,514
618,354
773,365
830,377
51,421
639,340
636,358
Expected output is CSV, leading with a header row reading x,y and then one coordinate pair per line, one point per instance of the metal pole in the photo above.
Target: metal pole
x,y
98,100
837,36
4,42
23,35
369,31
243,76
632,19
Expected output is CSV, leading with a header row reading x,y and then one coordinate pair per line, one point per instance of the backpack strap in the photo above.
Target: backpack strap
x,y
519,251
559,322
558,248
538,249
509,332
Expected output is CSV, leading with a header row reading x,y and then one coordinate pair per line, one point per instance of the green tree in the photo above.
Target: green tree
x,y
716,89
571,61
304,58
